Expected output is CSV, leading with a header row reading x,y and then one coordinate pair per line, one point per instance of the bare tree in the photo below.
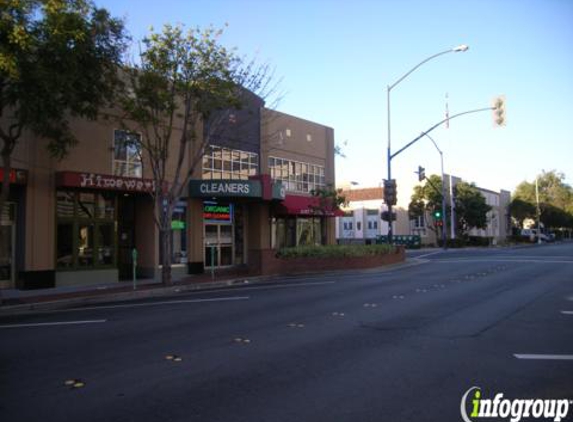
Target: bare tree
x,y
181,94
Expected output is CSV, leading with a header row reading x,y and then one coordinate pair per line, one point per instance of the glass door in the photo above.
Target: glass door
x,y
7,245
218,245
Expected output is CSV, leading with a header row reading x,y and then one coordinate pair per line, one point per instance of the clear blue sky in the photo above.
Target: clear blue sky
x,y
336,58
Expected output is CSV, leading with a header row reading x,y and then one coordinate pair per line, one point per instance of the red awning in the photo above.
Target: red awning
x,y
304,205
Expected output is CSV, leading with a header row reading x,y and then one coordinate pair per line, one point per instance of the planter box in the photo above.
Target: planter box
x,y
265,262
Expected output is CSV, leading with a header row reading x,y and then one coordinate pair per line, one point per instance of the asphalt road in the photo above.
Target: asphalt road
x,y
398,345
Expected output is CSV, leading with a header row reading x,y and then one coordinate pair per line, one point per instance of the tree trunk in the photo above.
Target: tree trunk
x,y
165,240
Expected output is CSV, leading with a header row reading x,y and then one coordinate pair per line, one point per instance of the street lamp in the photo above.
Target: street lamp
x,y
459,48
443,192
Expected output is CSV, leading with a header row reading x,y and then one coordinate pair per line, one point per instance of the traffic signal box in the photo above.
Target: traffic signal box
x,y
498,109
390,193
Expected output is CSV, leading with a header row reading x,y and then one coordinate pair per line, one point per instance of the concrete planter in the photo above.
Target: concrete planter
x,y
265,262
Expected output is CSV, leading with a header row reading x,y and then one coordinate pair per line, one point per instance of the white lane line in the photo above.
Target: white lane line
x,y
425,255
544,357
52,324
165,302
567,312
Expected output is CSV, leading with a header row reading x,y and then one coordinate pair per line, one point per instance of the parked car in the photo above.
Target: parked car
x,y
534,236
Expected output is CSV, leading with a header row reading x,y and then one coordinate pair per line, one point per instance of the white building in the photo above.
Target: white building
x,y
362,221
498,219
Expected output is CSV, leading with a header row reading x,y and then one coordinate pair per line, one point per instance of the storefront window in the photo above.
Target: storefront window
x,y
296,231
105,203
65,204
85,230
85,245
179,234
86,205
105,244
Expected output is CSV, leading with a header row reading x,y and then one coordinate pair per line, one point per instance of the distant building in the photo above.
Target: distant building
x,y
498,219
362,221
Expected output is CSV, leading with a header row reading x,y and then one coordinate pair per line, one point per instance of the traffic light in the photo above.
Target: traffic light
x,y
438,217
390,194
386,216
421,173
498,110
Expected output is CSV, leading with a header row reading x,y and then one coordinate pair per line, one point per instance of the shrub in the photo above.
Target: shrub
x,y
335,251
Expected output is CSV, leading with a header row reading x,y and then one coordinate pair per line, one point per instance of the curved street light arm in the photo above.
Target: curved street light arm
x,y
451,50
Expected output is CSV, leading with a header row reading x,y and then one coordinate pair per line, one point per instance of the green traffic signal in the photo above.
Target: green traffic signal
x,y
437,215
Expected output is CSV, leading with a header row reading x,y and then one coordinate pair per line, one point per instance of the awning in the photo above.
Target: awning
x,y
74,179
305,205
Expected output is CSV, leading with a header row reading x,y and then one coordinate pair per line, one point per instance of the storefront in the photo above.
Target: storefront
x,y
300,221
100,219
231,219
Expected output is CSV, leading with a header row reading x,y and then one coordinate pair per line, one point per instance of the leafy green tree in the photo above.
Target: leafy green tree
x,y
555,200
426,199
180,95
58,59
471,208
521,210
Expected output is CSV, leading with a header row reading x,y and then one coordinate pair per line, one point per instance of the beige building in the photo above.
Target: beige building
x,y
498,219
362,222
78,221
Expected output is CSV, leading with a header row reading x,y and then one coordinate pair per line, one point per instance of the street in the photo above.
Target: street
x,y
397,344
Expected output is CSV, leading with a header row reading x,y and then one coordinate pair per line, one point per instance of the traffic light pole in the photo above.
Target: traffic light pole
x,y
409,144
390,221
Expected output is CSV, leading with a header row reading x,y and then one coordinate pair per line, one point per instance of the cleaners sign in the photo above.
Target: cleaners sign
x,y
225,188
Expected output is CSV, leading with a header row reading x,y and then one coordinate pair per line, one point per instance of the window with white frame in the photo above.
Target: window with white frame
x,y
127,154
224,163
419,222
297,176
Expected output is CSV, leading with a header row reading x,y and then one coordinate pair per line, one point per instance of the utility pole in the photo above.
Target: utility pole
x,y
538,211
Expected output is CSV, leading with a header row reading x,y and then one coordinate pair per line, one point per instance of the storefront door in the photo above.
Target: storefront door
x,y
126,236
218,245
7,245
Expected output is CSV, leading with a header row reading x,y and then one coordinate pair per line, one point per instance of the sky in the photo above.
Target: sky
x,y
334,60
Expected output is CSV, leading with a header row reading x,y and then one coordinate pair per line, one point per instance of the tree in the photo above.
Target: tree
x,y
426,198
521,210
471,208
555,200
58,59
181,92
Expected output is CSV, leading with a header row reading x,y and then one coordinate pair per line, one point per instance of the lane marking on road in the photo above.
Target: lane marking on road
x,y
543,357
427,254
165,302
52,324
567,312
536,261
